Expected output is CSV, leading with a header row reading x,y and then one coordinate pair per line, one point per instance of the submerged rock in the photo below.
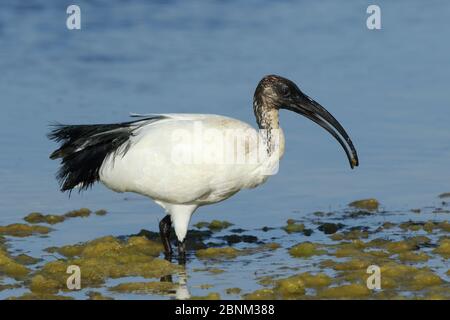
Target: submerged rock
x,y
211,253
330,228
83,212
348,291
93,295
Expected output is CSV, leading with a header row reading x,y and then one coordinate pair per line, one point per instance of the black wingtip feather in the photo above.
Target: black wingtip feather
x,y
83,149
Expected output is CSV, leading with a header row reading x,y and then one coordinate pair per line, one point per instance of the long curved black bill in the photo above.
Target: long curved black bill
x,y
312,110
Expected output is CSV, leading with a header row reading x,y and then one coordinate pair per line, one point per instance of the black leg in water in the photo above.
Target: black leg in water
x,y
165,225
182,252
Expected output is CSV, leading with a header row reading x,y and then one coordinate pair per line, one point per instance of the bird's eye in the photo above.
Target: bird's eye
x,y
284,90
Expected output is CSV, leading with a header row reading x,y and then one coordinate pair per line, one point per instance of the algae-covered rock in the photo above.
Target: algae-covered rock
x,y
305,250
211,253
214,225
293,226
36,217
23,230
10,267
424,279
367,204
145,287
210,270
40,284
290,287
413,257
83,212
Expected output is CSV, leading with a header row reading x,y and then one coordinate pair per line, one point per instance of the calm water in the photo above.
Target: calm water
x,y
389,89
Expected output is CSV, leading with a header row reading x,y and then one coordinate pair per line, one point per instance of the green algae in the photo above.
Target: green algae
x,y
443,248
108,257
294,227
36,217
414,257
350,235
25,259
10,267
162,288
306,250
367,204
83,213
209,296
212,253
215,225
291,287
41,285
23,230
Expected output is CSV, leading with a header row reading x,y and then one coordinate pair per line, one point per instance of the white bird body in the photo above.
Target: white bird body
x,y
184,161
178,162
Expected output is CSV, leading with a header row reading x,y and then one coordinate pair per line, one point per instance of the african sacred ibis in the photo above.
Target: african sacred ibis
x,y
162,156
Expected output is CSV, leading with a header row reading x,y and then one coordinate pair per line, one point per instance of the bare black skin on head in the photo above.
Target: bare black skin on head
x,y
274,92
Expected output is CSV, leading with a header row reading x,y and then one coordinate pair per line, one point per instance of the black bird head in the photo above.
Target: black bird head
x,y
275,92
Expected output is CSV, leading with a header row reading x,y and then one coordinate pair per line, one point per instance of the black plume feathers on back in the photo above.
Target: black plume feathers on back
x,y
83,148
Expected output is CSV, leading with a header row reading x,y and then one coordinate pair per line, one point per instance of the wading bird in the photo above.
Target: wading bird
x,y
145,156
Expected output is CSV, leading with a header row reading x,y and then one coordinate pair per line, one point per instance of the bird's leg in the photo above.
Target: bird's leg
x,y
182,252
165,226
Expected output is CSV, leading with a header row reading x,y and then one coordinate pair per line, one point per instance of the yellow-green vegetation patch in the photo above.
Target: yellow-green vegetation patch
x,y
215,225
306,250
23,230
94,295
367,204
145,287
261,294
101,212
105,258
41,285
210,270
293,226
209,296
212,253
291,287
83,212
36,217
413,257
10,267
26,259
444,248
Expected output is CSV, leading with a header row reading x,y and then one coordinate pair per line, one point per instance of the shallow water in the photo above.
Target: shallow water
x,y
388,88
